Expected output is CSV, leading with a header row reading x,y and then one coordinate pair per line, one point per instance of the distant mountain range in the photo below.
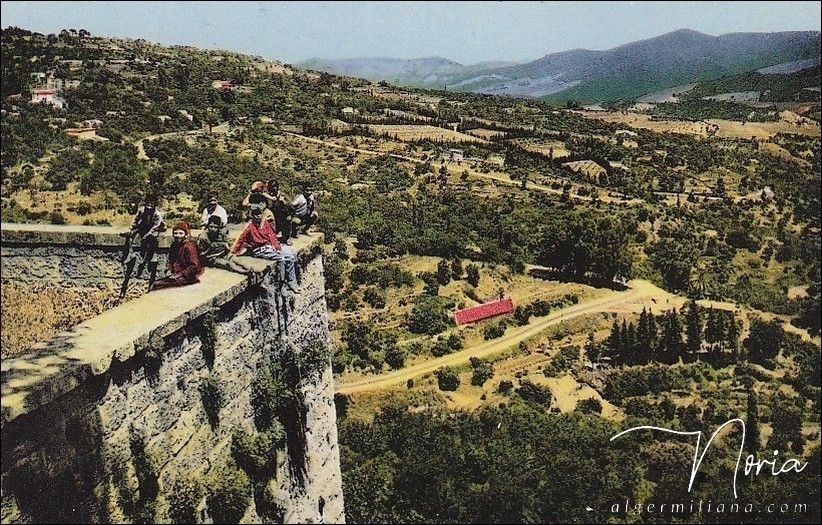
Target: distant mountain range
x,y
624,72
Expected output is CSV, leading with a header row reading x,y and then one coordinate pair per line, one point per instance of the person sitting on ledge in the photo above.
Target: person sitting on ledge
x,y
213,209
148,224
214,248
258,198
184,266
259,239
303,210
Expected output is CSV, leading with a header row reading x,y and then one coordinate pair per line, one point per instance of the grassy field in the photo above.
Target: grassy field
x,y
27,322
412,132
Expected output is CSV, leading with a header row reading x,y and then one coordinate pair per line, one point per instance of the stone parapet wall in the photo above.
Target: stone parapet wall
x,y
100,424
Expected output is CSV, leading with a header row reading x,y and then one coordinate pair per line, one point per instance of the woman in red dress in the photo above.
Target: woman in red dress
x,y
184,265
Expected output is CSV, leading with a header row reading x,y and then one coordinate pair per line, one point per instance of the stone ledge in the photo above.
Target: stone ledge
x,y
53,368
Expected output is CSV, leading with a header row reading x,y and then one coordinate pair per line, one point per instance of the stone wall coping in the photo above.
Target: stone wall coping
x,y
52,368
12,233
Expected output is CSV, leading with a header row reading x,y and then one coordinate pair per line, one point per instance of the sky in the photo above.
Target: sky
x,y
467,32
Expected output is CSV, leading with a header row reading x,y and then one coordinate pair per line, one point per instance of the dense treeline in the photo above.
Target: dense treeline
x,y
521,464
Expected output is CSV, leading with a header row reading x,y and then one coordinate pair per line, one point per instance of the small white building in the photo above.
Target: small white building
x,y
92,123
47,96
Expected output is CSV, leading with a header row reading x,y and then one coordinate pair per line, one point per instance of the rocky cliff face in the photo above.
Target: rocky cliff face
x,y
149,422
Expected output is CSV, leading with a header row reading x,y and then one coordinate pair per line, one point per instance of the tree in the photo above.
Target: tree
x,y
590,405
646,336
473,276
670,341
456,269
482,371
429,315
69,165
764,340
395,356
443,272
752,425
615,340
787,424
447,379
693,328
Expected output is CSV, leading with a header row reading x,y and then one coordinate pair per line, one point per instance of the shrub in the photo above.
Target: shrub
x,y
534,395
183,500
447,379
228,500
482,371
430,315
591,405
493,331
57,218
256,454
374,298
212,398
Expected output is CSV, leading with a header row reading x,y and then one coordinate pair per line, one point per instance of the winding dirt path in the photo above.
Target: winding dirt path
x,y
637,290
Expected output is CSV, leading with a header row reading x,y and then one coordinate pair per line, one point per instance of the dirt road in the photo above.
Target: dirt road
x,y
637,290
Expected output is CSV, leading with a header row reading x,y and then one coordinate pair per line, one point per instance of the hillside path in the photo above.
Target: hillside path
x,y
637,290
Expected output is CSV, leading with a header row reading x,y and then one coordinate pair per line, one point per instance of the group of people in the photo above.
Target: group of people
x,y
269,214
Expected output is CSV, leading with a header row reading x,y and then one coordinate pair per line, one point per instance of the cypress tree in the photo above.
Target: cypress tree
x,y
693,328
614,340
753,443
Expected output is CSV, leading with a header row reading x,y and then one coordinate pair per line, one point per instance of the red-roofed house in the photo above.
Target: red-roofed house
x,y
47,96
484,311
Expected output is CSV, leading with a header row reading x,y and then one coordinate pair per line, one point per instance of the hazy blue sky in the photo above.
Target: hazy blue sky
x,y
467,32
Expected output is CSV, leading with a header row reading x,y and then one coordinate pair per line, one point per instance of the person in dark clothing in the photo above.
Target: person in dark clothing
x,y
215,251
184,265
278,205
148,223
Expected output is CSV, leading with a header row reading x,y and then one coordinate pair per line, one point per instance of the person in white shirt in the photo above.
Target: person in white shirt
x,y
303,210
213,208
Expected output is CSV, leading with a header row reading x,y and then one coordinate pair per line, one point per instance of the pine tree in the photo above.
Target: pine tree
x,y
753,438
625,343
631,345
712,335
671,340
615,340
693,328
646,337
732,333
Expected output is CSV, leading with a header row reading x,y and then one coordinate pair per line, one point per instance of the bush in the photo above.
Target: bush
x,y
482,371
447,379
591,405
183,500
57,218
534,395
374,298
505,387
256,454
228,500
493,331
430,315
472,274
212,398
